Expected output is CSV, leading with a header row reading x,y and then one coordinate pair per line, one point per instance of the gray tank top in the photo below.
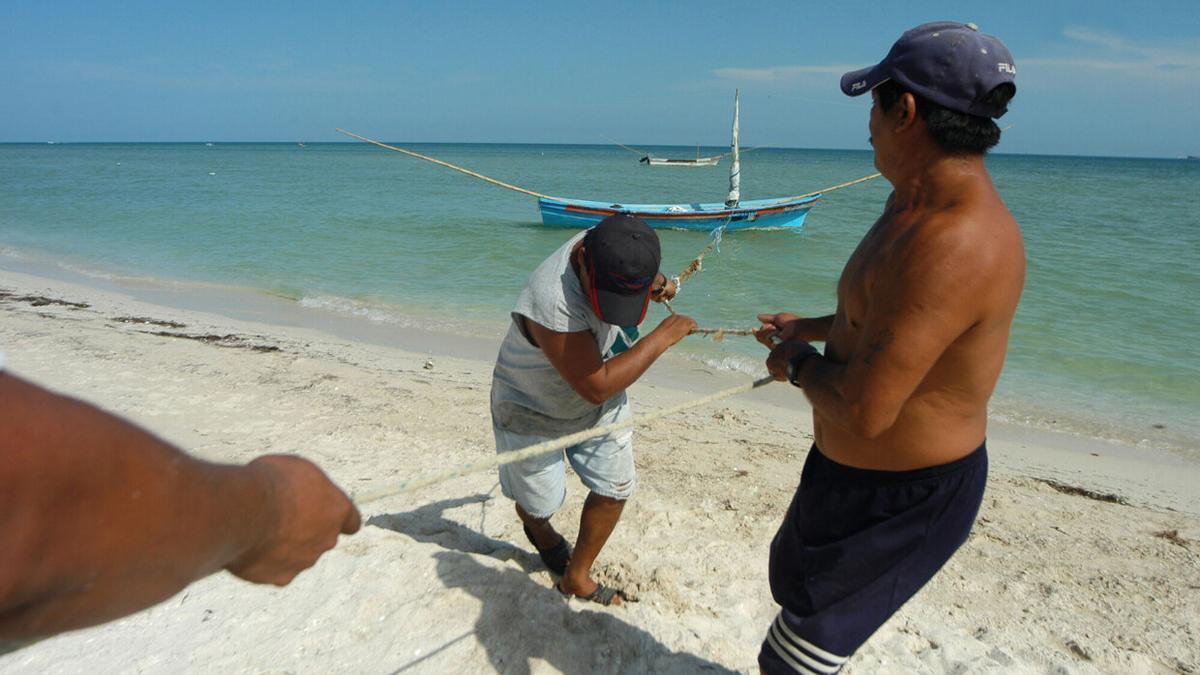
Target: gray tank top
x,y
528,394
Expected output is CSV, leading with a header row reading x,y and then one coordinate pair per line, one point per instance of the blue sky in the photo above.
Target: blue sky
x,y
1094,78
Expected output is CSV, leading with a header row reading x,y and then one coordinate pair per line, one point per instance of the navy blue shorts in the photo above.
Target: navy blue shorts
x,y
855,545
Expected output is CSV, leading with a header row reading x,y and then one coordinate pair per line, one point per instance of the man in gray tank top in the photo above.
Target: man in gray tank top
x,y
564,366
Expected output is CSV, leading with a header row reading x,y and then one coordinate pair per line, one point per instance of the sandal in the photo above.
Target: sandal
x,y
556,557
603,595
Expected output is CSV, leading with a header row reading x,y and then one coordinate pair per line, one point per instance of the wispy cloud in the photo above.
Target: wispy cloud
x,y
1100,38
1103,52
811,83
1083,50
780,74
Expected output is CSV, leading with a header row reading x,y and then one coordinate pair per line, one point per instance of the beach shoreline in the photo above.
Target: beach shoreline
x,y
1071,565
479,344
477,340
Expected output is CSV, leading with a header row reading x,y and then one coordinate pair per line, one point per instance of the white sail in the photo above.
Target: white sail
x,y
735,169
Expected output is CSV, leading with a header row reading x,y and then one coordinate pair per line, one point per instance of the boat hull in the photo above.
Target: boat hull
x,y
757,214
699,161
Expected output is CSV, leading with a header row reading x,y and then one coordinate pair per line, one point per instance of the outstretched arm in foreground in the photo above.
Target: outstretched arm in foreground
x,y
99,519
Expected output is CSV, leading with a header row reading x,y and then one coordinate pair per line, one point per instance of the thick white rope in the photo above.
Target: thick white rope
x,y
493,461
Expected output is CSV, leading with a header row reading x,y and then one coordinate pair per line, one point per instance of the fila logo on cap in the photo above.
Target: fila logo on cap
x,y
858,85
1007,68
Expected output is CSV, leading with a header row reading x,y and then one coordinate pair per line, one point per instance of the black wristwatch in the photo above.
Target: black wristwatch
x,y
797,362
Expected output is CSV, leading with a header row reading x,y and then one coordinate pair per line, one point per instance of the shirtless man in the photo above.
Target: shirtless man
x,y
896,475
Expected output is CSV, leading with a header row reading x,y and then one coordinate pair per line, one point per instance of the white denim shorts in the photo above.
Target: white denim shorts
x,y
604,464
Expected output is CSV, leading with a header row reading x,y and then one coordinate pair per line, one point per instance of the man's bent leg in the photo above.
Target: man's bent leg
x,y
600,516
537,485
605,466
543,533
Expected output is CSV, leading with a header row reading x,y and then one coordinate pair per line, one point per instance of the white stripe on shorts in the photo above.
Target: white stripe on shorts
x,y
802,655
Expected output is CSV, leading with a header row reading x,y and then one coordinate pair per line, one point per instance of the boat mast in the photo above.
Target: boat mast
x,y
735,168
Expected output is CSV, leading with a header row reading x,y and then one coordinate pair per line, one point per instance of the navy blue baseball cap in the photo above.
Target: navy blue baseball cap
x,y
623,256
949,63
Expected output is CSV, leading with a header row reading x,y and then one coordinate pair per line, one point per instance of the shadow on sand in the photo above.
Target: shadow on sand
x,y
523,622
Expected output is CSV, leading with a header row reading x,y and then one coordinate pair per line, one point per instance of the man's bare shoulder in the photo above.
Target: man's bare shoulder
x,y
955,258
969,235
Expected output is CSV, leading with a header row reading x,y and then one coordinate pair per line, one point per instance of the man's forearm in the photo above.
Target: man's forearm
x,y
143,521
818,378
621,371
842,403
814,329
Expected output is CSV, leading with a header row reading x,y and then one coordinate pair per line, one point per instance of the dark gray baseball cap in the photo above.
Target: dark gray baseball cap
x,y
623,257
949,63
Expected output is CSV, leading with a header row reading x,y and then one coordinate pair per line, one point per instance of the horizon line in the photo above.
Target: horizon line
x,y
530,143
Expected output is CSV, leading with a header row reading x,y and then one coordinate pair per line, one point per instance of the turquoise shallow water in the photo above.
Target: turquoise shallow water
x,y
1104,343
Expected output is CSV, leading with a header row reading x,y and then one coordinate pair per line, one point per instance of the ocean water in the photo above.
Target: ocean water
x,y
1105,342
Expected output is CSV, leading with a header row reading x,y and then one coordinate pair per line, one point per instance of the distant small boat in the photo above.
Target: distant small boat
x,y
208,145
650,160
1194,158
302,145
664,161
699,161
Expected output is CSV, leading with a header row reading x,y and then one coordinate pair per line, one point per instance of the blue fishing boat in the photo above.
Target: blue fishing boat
x,y
758,213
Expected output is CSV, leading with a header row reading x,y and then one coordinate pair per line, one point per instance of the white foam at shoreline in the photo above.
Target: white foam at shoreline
x,y
354,308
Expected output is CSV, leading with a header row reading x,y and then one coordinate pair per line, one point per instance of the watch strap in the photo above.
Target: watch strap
x,y
796,363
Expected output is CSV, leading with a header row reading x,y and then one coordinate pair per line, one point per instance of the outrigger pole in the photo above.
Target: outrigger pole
x,y
847,184
448,165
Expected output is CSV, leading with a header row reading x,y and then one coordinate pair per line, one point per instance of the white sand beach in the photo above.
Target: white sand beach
x,y
1085,558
